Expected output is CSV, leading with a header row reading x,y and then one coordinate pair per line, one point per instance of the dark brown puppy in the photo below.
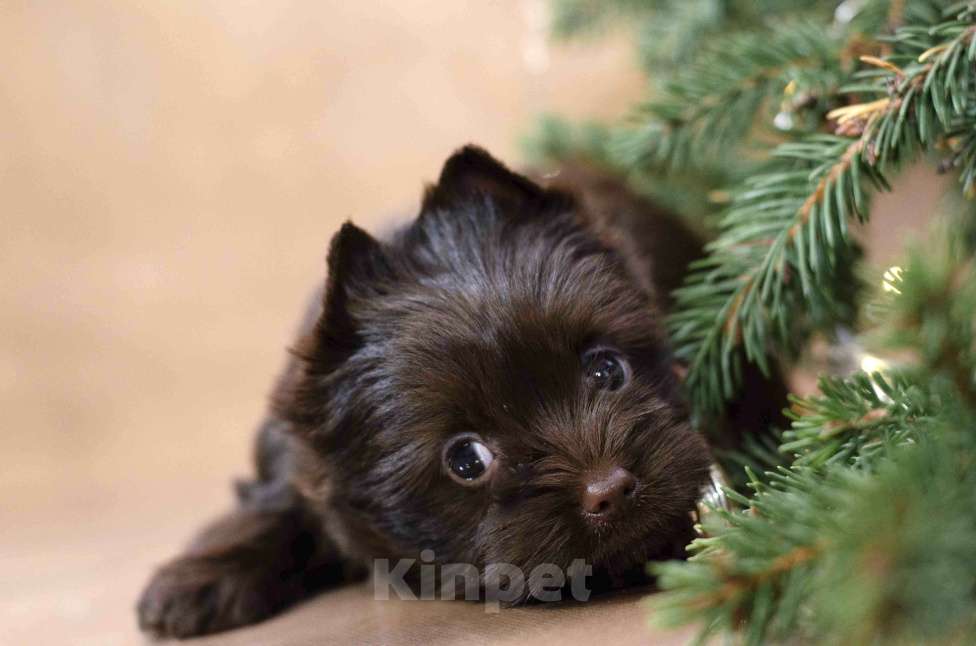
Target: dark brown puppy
x,y
493,384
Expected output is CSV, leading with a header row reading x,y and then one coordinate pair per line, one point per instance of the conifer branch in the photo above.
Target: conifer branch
x,y
785,234
832,553
855,418
714,100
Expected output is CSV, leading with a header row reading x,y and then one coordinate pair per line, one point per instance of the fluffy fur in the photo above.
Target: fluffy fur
x,y
471,319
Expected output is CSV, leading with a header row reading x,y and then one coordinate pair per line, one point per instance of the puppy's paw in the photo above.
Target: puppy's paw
x,y
195,596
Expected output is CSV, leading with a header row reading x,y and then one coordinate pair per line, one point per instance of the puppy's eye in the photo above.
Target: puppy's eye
x,y
605,369
467,459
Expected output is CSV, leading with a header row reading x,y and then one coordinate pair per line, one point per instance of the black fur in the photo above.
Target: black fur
x,y
471,319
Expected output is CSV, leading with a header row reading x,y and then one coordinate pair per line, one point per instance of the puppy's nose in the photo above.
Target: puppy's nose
x,y
605,492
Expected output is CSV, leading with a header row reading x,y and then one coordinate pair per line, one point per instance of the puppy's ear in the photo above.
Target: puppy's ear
x,y
358,267
471,173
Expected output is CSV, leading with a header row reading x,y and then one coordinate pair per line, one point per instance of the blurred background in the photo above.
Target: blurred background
x,y
170,175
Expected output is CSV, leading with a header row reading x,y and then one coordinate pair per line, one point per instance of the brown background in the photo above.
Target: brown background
x,y
170,174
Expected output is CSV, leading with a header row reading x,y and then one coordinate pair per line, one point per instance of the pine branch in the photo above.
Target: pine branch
x,y
555,141
854,419
713,101
750,568
784,232
672,32
880,461
771,274
961,141
838,554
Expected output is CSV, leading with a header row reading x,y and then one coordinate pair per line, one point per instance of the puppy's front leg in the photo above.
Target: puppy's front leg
x,y
245,567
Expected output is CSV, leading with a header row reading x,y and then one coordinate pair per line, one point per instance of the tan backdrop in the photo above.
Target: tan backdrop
x,y
170,174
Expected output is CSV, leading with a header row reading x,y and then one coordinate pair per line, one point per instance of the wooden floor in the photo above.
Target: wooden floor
x,y
170,174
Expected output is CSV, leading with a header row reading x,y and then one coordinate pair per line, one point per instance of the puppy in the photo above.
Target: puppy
x,y
491,385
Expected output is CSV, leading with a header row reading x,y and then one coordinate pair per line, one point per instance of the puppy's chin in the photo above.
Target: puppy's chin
x,y
621,556
627,567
